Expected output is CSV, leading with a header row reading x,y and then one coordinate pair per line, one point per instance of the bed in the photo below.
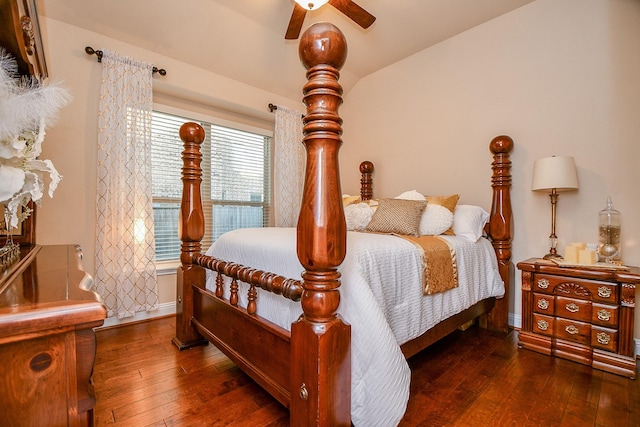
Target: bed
x,y
323,342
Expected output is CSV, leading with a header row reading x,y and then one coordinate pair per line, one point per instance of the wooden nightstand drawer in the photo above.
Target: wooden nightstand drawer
x,y
605,315
543,284
606,339
543,324
544,304
573,331
576,288
572,308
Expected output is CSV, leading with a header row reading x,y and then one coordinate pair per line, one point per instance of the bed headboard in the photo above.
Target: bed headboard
x,y
499,229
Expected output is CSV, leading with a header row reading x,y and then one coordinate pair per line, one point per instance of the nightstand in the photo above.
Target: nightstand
x,y
581,314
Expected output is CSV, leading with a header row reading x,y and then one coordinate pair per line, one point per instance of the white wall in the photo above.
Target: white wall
x,y
558,76
71,144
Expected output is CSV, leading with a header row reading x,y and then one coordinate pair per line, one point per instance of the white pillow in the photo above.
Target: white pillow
x,y
436,219
358,216
411,195
469,221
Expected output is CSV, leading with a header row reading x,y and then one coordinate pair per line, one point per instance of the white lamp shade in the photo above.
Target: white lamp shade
x,y
557,172
312,4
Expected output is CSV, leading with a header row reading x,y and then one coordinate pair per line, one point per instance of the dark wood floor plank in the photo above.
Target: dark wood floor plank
x,y
528,391
613,405
471,378
484,409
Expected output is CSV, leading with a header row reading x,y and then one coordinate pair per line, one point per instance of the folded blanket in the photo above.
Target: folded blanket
x,y
439,266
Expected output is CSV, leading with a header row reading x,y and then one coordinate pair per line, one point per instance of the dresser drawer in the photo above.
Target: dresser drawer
x,y
572,330
543,324
604,338
604,292
544,304
605,315
573,308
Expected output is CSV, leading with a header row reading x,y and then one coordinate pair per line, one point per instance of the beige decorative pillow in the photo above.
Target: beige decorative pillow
x,y
349,200
448,202
397,216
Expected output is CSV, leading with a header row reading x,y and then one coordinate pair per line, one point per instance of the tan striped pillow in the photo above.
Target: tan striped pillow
x,y
397,216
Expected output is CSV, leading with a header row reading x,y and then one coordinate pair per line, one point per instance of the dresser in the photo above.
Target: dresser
x,y
47,344
581,314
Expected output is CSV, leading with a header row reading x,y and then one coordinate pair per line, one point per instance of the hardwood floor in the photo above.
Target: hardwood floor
x,y
471,378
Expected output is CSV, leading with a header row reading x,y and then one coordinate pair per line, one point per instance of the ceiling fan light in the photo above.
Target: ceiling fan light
x,y
312,4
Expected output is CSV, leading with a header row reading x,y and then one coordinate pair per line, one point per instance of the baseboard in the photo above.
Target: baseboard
x,y
637,353
164,309
515,320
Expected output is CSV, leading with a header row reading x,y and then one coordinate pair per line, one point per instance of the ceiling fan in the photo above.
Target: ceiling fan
x,y
348,7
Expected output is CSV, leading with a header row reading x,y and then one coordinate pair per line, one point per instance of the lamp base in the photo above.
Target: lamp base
x,y
551,256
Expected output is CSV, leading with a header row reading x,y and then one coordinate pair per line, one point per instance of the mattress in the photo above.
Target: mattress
x,y
381,298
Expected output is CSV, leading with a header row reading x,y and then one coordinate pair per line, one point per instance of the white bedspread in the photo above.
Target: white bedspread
x,y
381,298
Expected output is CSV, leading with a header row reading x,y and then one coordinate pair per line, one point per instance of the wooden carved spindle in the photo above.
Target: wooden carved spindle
x,y
251,297
233,297
190,231
366,182
501,225
320,392
219,285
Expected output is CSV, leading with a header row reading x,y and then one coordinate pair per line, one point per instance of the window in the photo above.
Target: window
x,y
235,188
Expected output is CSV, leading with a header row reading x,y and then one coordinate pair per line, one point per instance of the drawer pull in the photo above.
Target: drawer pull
x,y
572,329
543,283
604,292
604,315
543,304
543,325
603,338
572,307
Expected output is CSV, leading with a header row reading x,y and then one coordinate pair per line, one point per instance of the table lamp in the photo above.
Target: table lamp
x,y
554,174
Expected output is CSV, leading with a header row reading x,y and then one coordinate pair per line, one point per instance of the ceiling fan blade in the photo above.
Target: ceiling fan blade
x,y
353,11
295,23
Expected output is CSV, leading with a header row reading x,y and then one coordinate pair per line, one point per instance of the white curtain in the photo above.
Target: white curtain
x,y
125,243
289,165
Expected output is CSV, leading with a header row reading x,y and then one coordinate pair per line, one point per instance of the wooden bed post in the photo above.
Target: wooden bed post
x,y
366,182
500,227
320,340
190,231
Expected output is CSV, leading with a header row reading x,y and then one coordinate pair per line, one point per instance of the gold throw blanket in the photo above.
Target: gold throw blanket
x,y
439,266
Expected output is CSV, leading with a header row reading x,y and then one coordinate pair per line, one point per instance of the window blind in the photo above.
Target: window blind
x,y
236,184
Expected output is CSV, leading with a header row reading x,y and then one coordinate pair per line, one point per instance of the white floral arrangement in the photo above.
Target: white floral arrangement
x,y
26,106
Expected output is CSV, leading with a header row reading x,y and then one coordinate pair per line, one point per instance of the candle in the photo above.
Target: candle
x,y
587,256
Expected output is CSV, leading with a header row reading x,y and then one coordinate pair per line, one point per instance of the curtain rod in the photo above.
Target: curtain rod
x,y
91,51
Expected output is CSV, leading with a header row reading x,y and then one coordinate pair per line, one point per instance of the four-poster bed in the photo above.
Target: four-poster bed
x,y
308,366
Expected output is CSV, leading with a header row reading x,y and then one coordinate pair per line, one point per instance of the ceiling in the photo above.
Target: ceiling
x,y
244,39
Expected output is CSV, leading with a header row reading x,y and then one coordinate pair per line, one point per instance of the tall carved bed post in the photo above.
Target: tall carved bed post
x,y
501,226
190,231
320,353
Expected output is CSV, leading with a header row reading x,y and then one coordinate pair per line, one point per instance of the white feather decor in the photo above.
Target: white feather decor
x,y
26,107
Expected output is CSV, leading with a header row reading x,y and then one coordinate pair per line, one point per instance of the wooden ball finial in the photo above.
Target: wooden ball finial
x,y
192,132
366,167
501,144
323,43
